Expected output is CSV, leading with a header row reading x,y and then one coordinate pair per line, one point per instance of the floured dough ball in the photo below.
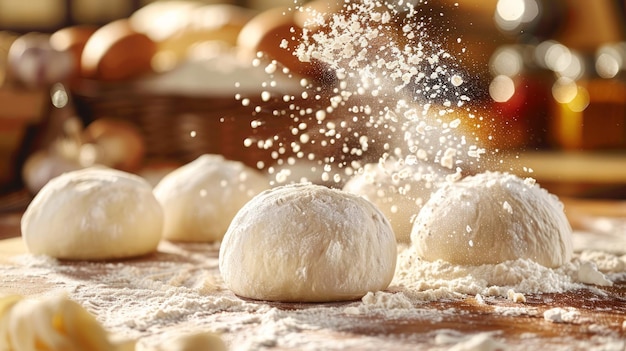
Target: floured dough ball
x,y
399,191
490,218
202,197
52,324
307,243
93,214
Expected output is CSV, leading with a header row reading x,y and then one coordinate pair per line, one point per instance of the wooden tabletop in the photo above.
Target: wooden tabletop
x,y
601,310
600,223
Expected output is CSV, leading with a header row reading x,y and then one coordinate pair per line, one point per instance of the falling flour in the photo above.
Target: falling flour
x,y
407,89
396,92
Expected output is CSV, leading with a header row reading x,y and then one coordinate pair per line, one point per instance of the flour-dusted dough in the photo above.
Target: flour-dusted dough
x,y
92,214
53,324
399,191
491,218
202,197
307,243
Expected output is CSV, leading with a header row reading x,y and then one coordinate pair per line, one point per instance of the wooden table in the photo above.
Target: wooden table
x,y
601,323
450,324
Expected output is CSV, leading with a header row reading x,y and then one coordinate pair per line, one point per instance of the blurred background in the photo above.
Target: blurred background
x,y
110,82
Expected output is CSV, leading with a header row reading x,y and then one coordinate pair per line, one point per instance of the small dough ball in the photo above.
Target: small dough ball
x,y
490,218
93,214
52,323
399,191
307,243
202,197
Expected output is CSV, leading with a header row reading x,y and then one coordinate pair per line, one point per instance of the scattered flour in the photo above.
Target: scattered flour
x,y
478,342
430,281
394,93
179,290
561,315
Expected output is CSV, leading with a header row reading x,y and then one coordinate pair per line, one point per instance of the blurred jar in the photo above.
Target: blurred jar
x,y
520,92
589,109
519,89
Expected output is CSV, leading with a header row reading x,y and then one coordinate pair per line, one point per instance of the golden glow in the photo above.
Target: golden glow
x,y
511,14
507,61
580,101
564,90
501,88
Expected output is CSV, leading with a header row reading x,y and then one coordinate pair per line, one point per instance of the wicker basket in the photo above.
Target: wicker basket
x,y
180,128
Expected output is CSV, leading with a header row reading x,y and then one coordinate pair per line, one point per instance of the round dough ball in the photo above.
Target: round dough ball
x,y
202,197
93,214
399,191
490,218
308,243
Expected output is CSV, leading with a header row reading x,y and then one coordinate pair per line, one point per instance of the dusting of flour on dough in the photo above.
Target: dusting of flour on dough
x,y
179,290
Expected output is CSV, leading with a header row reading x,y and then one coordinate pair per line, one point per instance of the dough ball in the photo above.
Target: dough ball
x,y
52,323
491,218
202,197
399,191
307,243
93,214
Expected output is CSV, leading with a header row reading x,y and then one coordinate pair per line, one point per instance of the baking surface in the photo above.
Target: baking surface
x,y
178,289
187,274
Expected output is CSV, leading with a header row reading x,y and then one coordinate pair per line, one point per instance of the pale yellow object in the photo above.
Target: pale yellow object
x,y
52,324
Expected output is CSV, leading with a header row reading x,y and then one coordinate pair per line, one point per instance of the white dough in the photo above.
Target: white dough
x,y
490,218
52,323
200,198
307,243
92,214
399,191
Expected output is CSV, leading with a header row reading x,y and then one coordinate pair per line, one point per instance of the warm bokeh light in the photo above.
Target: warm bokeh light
x,y
507,61
511,14
610,60
501,88
567,92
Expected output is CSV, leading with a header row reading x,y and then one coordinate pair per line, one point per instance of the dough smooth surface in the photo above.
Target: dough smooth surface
x,y
399,191
93,214
53,323
308,243
490,218
200,198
